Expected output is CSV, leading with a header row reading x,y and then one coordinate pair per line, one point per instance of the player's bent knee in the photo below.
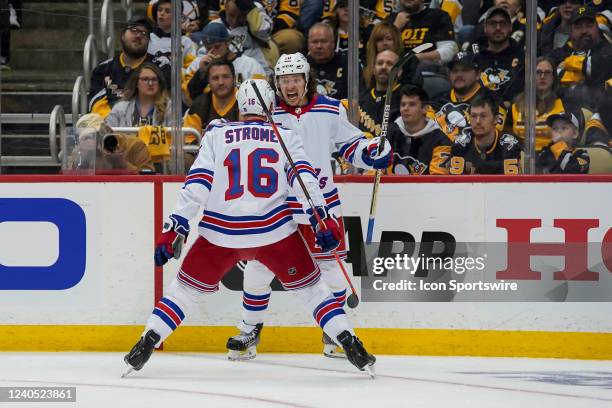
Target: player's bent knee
x,y
313,295
183,295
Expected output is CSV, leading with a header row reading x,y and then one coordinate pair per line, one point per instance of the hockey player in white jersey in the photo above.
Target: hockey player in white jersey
x,y
323,126
242,178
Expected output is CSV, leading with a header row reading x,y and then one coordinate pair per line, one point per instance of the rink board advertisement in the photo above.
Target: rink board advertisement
x,y
78,274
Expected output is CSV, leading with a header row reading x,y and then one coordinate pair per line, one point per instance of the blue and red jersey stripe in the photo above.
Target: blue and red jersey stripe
x,y
348,149
302,167
245,225
200,176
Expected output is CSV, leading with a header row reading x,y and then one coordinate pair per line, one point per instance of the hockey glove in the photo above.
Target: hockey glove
x,y
174,235
373,158
329,238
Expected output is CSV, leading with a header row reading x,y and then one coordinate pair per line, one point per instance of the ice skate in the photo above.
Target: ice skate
x,y
356,353
331,349
141,352
243,346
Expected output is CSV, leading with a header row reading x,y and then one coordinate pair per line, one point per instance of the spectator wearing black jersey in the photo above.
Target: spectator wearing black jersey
x,y
501,58
371,101
515,9
109,77
584,62
419,146
452,110
330,67
419,24
482,149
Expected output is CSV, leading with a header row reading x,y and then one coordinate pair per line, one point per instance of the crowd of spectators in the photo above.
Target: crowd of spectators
x,y
458,107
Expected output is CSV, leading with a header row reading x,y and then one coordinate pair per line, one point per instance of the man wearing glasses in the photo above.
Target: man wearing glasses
x,y
500,58
109,78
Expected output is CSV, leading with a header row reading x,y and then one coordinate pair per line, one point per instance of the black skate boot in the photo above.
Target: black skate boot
x,y
356,354
331,349
243,346
141,352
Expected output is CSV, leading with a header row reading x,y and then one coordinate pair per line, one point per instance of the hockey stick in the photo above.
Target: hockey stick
x,y
352,301
383,129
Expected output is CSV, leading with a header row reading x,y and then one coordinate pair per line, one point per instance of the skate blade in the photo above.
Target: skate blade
x,y
245,355
371,371
129,370
333,351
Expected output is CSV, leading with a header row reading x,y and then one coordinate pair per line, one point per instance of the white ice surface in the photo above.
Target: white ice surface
x,y
176,380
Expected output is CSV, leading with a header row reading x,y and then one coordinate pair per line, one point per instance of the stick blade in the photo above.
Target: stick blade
x,y
352,301
423,47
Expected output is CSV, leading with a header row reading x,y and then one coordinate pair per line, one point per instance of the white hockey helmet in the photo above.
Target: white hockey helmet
x,y
289,64
248,102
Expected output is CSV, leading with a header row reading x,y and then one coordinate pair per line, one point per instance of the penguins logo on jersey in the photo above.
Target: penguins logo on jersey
x,y
326,87
238,42
508,141
417,167
463,138
453,118
494,78
161,61
408,165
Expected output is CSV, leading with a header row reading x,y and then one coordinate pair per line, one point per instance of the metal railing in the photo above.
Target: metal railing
x,y
79,100
90,16
57,123
107,28
128,6
57,120
185,131
90,59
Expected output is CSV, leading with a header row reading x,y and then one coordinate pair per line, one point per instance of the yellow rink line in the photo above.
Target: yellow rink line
x,y
435,342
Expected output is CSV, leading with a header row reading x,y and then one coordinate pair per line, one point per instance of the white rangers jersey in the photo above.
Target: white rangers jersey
x,y
324,128
242,178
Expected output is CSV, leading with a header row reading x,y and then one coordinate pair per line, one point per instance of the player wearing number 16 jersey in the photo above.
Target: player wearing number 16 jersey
x,y
241,177
322,125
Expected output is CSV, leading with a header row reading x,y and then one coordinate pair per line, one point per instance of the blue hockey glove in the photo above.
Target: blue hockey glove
x,y
373,158
329,238
174,235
